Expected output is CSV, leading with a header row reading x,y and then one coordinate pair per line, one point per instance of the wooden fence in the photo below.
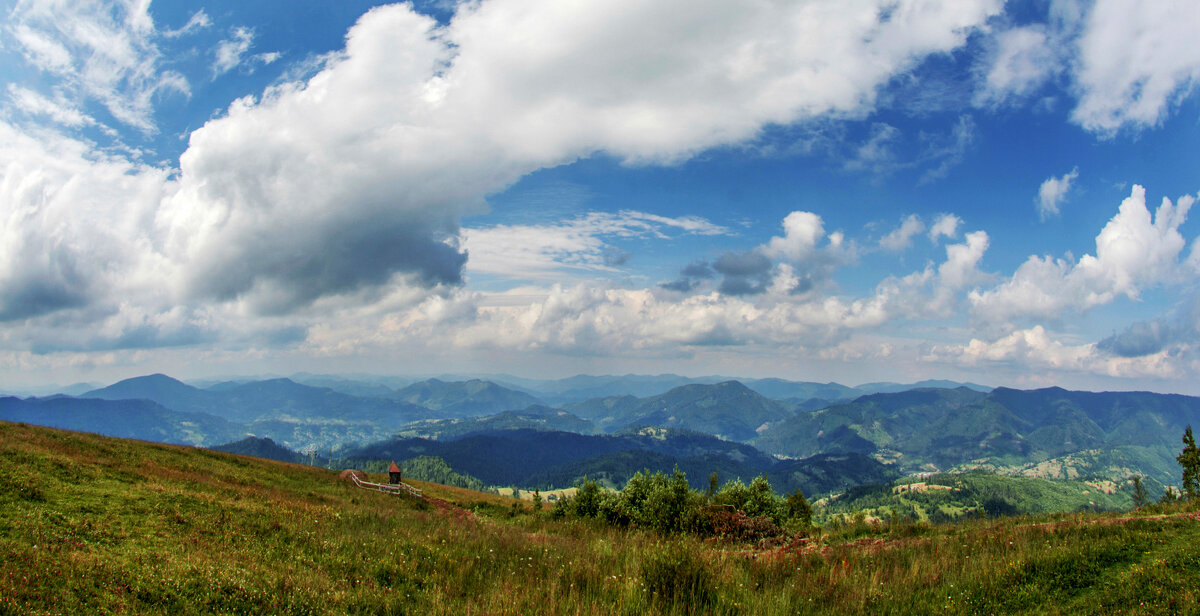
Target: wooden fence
x,y
389,488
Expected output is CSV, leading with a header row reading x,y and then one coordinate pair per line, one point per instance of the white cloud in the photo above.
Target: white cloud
x,y
901,237
1020,61
606,321
198,21
349,187
544,251
801,233
1126,62
935,292
413,124
1134,251
102,51
59,112
1135,60
1036,351
946,225
1053,192
229,52
72,226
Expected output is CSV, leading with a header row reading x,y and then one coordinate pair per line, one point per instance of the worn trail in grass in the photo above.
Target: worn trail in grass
x,y
96,525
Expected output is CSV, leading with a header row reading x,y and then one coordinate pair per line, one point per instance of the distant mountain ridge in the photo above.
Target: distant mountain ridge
x,y
464,398
536,417
256,400
939,429
728,409
137,419
1050,432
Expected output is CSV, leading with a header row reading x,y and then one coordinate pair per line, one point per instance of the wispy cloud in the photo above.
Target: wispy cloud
x,y
228,53
1053,192
543,251
103,53
198,21
901,237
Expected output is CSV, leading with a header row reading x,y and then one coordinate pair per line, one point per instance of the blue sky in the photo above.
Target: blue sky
x,y
818,190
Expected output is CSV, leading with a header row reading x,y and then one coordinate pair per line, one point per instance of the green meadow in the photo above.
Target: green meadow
x,y
95,525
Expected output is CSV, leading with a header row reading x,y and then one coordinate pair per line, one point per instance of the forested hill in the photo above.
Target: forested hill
x,y
939,429
530,458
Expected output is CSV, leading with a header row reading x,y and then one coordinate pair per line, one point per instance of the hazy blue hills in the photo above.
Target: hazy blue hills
x,y
536,417
585,387
580,388
159,388
257,400
886,387
729,410
781,389
504,434
464,398
137,419
608,413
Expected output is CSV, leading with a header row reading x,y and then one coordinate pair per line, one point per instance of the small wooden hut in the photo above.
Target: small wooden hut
x,y
394,474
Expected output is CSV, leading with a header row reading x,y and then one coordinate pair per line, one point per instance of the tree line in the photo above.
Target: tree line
x,y
668,504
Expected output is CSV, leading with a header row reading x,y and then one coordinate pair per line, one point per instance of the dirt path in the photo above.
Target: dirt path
x,y
447,508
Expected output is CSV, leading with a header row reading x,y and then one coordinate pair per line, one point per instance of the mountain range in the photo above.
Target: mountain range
x,y
1005,429
506,434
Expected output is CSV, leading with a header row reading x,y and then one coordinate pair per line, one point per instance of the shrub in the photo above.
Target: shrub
x,y
728,523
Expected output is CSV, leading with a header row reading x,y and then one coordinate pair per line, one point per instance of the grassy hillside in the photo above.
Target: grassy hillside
x,y
90,524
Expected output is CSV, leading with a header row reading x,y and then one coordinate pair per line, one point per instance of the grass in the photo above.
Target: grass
x,y
95,525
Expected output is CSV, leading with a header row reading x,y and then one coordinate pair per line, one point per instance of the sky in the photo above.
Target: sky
x,y
817,190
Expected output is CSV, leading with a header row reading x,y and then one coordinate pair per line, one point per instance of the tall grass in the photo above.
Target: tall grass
x,y
96,525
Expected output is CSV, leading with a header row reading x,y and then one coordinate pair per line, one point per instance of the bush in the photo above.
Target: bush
x,y
667,504
728,523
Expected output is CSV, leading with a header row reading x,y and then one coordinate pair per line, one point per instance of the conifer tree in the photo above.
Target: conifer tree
x,y
1139,493
1189,459
798,508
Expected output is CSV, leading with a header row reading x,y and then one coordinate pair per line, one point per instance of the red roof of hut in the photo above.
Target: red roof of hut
x,y
393,468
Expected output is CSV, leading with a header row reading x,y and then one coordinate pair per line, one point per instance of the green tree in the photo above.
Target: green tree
x,y
1139,493
537,501
712,485
798,509
761,499
1189,459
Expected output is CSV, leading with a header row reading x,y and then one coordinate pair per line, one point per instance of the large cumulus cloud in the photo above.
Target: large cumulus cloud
x,y
1134,251
353,182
